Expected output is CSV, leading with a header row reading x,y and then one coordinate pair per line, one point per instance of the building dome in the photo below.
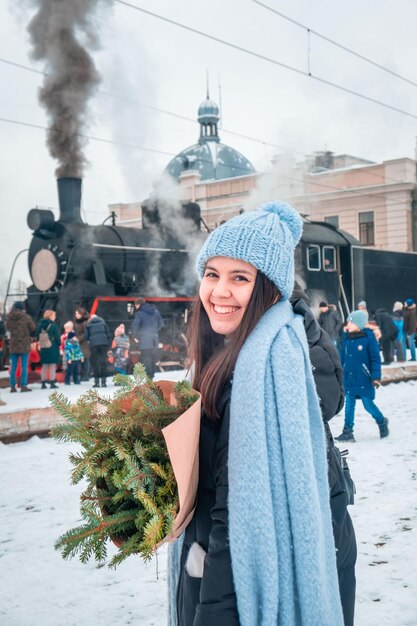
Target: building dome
x,y
212,159
208,111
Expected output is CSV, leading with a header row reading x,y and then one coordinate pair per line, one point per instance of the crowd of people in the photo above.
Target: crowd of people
x,y
85,346
395,332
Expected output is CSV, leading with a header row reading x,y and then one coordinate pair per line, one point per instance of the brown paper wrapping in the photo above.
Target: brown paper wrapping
x,y
182,438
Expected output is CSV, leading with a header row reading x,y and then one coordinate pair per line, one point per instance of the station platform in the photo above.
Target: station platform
x,y
26,414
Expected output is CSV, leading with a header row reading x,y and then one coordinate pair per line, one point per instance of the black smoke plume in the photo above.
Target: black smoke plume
x,y
62,32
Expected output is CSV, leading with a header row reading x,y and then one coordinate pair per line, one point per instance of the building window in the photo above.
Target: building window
x,y
313,258
367,228
333,220
329,259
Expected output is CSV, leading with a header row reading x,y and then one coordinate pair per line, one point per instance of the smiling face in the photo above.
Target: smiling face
x,y
225,292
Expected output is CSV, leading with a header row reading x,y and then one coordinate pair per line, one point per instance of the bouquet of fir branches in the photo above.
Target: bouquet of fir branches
x,y
139,458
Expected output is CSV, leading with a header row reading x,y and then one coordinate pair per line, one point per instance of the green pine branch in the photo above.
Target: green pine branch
x,y
131,493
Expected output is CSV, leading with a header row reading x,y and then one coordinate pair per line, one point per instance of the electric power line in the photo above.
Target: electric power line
x,y
263,57
164,111
244,170
100,139
171,154
182,117
336,43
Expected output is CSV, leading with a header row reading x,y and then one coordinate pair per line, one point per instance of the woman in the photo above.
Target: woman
x,y
259,550
80,322
47,334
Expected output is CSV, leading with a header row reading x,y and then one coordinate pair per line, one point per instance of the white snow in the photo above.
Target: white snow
x,y
39,588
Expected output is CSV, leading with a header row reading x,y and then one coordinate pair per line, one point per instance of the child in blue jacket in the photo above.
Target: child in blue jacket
x,y
74,357
361,373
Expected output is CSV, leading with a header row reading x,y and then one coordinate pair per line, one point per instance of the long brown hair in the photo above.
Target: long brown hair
x,y
212,358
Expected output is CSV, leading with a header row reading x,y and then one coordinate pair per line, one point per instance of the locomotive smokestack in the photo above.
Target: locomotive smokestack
x,y
69,193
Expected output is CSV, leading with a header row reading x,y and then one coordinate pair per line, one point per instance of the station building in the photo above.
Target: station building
x,y
375,202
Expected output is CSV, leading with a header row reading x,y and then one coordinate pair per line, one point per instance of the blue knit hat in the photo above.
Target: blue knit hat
x,y
409,302
359,318
266,238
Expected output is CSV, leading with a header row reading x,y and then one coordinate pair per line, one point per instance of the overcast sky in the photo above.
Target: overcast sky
x,y
145,60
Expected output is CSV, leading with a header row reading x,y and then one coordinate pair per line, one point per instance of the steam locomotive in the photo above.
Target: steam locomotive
x,y
73,264
104,268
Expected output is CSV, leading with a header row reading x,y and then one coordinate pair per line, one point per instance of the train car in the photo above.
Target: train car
x,y
381,277
322,264
332,266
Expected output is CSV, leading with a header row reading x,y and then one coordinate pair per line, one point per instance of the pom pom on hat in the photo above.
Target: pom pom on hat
x,y
288,215
266,238
359,318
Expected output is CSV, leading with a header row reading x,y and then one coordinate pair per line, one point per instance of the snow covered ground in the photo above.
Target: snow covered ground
x,y
38,588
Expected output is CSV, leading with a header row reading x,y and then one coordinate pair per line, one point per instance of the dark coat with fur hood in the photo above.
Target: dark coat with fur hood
x,y
21,327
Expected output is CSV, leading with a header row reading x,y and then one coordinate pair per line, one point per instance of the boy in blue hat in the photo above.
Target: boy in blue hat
x,y
361,373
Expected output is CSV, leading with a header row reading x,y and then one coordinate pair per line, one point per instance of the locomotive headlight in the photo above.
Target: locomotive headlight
x,y
48,269
40,218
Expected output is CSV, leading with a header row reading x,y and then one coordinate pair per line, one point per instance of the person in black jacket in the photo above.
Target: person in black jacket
x,y
328,376
329,320
206,593
98,336
145,330
389,332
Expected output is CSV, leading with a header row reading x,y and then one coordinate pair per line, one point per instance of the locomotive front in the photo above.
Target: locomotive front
x,y
71,262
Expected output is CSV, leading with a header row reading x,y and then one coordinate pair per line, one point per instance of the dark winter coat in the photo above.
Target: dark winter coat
x,y
146,326
79,329
212,600
387,327
325,362
330,322
361,363
97,333
21,327
410,319
49,356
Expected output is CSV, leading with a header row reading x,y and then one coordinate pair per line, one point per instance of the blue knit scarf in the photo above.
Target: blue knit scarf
x,y
281,538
